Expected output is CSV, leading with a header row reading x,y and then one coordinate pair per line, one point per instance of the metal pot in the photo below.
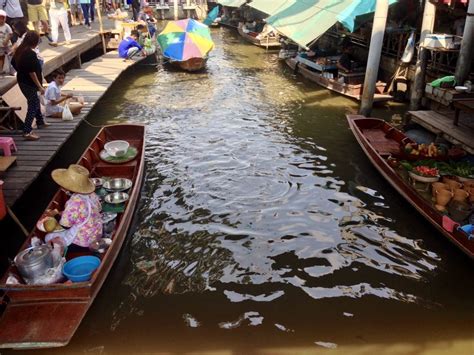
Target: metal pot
x,y
33,262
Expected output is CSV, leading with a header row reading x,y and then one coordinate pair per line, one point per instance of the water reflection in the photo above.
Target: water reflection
x,y
253,199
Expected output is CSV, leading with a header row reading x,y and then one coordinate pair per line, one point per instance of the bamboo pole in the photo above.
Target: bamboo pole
x,y
17,221
101,26
373,61
427,27
466,54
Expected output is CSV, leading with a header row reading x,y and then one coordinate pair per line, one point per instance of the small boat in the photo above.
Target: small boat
x,y
186,44
37,316
264,42
354,91
379,140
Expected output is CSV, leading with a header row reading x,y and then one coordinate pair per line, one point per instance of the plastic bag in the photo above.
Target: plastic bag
x,y
447,81
67,114
409,49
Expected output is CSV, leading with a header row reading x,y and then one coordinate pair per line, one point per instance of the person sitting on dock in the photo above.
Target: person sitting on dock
x,y
129,46
54,98
30,80
147,16
82,212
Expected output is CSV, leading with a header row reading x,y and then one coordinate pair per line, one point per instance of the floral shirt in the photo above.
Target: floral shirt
x,y
76,212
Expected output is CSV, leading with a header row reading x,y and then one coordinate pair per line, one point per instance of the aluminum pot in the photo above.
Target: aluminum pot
x,y
34,262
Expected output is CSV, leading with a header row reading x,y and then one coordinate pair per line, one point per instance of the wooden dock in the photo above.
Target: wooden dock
x,y
442,124
91,81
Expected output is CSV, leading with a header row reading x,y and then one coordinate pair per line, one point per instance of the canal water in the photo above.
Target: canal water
x,y
263,228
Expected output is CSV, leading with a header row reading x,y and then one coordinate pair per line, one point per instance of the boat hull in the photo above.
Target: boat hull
x,y
352,91
191,65
37,316
268,42
377,156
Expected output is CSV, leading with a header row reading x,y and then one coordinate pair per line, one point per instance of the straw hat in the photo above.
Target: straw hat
x,y
75,179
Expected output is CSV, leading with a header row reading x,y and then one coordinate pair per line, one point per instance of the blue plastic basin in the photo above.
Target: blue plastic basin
x,y
81,268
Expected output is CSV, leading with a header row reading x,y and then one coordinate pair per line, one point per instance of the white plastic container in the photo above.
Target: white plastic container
x,y
439,40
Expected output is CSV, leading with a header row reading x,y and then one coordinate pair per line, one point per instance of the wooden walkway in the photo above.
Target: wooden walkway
x,y
442,124
91,81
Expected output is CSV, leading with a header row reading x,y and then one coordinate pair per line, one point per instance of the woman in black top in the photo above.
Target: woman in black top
x,y
30,79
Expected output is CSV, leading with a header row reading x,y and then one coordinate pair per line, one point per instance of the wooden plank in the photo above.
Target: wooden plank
x,y
6,162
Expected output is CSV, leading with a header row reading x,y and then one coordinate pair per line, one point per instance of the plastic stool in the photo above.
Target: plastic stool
x,y
6,143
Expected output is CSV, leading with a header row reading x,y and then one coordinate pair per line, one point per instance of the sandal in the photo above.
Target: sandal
x,y
31,137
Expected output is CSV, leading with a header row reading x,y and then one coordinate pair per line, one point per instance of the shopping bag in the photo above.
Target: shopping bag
x,y
67,115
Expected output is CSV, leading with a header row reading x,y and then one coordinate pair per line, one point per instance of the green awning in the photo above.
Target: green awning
x,y
306,20
270,7
231,3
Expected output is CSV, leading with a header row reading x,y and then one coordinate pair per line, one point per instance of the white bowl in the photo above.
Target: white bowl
x,y
117,148
461,88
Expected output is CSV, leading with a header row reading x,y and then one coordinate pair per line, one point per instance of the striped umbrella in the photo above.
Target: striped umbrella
x,y
185,39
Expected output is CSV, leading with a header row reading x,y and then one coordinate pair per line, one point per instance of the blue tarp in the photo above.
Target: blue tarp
x,y
357,8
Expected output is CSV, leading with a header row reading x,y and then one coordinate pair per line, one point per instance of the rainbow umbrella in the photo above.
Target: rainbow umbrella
x,y
185,39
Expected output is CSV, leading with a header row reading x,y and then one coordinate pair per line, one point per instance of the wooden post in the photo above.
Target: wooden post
x,y
418,87
101,26
175,9
466,54
373,61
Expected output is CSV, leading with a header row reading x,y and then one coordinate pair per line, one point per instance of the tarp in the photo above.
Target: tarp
x,y
304,21
357,8
211,16
270,7
232,3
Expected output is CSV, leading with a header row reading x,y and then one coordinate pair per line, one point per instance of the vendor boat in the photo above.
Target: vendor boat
x,y
37,316
380,141
354,91
261,41
190,65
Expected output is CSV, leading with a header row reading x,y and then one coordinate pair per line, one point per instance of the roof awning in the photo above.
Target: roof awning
x,y
270,7
231,3
304,21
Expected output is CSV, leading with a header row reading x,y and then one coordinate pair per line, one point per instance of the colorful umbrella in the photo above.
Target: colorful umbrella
x,y
185,39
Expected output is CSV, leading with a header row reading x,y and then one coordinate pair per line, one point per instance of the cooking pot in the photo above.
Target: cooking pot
x,y
34,262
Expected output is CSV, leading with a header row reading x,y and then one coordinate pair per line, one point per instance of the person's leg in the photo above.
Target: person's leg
x,y
132,52
135,11
2,63
92,5
85,13
54,16
33,17
33,104
64,24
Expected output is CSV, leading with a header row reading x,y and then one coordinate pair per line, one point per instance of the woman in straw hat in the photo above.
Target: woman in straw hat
x,y
81,213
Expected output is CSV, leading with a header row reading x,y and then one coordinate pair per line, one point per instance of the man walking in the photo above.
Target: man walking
x,y
37,14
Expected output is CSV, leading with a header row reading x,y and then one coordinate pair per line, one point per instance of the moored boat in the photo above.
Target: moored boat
x,y
43,316
191,65
381,142
354,91
258,39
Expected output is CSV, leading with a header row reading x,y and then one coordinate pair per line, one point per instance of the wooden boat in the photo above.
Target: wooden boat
x,y
35,316
379,140
191,65
266,42
354,91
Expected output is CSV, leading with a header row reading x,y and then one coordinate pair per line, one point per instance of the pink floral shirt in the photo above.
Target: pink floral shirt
x,y
76,212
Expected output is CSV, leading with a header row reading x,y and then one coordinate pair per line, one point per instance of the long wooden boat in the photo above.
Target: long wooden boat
x,y
191,65
35,316
265,42
349,90
379,140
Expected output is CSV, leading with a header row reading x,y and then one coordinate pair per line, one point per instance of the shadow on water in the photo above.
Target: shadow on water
x,y
263,228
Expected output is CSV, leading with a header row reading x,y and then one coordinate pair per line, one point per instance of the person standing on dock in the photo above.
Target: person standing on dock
x,y
30,79
86,6
58,15
5,36
37,14
14,13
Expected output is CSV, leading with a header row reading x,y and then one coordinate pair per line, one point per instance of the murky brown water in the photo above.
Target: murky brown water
x,y
264,229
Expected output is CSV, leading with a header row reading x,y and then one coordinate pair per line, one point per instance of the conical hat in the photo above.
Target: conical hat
x,y
74,179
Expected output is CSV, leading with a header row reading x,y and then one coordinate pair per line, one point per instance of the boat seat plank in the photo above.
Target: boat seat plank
x,y
27,323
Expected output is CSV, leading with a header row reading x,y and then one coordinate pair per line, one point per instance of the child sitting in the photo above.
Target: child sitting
x,y
54,98
129,46
5,36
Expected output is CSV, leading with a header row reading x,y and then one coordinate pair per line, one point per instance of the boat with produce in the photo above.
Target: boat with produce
x,y
186,44
323,75
259,39
425,175
40,314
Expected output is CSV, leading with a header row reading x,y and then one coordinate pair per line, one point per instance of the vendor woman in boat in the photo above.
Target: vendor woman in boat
x,y
345,62
82,212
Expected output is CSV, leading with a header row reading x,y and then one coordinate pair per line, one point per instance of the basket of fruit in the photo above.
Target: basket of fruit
x,y
414,151
424,173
